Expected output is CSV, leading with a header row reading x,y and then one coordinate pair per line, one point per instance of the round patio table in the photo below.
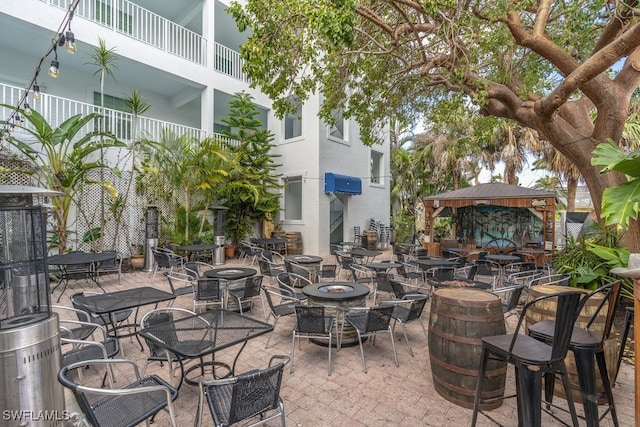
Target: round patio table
x,y
340,295
230,273
382,266
304,259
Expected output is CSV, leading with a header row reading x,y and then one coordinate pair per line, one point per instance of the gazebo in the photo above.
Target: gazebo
x,y
495,211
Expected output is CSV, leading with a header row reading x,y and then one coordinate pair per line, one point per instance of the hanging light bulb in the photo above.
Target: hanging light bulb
x,y
27,109
18,120
36,91
54,70
70,42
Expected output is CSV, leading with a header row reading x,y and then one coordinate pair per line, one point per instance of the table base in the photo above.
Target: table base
x,y
202,367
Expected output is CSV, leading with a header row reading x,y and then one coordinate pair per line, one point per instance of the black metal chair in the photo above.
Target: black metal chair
x,y
552,279
164,258
510,295
101,319
86,347
157,353
269,269
139,399
410,272
292,267
368,322
196,269
328,271
252,288
279,305
531,359
111,265
312,321
288,282
588,349
382,283
180,284
207,291
243,397
406,310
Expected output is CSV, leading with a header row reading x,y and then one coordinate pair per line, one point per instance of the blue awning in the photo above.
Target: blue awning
x,y
334,183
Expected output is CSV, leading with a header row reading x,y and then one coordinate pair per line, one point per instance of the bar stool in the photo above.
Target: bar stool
x,y
588,348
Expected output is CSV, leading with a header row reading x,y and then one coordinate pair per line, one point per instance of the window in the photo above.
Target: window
x,y
337,130
376,167
114,121
293,198
293,121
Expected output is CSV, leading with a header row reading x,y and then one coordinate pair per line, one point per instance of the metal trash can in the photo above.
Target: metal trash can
x,y
218,257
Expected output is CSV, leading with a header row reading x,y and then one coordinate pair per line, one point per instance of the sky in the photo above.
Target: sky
x,y
527,178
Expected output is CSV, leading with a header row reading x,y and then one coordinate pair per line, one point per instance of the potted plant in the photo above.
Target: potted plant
x,y
137,256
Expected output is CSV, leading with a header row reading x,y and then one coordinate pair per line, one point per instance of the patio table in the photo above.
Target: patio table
x,y
198,247
205,334
65,261
111,302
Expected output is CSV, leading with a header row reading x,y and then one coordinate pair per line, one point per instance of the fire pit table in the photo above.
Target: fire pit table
x,y
341,295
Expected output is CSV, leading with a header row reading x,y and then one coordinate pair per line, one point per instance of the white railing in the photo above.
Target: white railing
x,y
141,24
56,110
228,62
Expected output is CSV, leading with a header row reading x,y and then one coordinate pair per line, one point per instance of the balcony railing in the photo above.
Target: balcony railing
x,y
141,24
56,110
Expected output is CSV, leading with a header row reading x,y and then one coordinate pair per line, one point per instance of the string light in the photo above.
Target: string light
x,y
68,40
54,70
36,91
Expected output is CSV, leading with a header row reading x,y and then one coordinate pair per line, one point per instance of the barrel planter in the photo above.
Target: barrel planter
x,y
546,309
458,321
370,240
294,242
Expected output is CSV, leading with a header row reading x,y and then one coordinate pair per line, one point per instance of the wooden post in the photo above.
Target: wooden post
x,y
636,323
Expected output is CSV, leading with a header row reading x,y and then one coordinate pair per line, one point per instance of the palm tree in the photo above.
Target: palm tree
x,y
105,60
62,160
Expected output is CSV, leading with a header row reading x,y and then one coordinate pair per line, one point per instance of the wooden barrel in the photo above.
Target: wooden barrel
x,y
294,243
370,240
458,321
546,310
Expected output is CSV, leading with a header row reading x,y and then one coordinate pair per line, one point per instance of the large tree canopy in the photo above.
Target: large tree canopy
x,y
564,68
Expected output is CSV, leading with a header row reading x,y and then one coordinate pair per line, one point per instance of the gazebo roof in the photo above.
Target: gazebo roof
x,y
491,191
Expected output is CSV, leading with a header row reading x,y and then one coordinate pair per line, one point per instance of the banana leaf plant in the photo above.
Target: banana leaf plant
x,y
63,158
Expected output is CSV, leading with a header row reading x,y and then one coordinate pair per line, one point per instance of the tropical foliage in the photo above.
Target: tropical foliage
x,y
251,191
549,66
63,158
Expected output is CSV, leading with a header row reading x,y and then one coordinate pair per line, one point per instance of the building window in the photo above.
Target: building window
x,y
293,198
117,115
337,130
293,121
376,167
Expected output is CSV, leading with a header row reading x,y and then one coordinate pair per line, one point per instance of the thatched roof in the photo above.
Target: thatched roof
x,y
491,191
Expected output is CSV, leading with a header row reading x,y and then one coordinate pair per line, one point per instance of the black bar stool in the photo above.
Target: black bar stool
x,y
628,320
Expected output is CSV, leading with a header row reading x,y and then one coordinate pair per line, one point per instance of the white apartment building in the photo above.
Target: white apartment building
x,y
183,57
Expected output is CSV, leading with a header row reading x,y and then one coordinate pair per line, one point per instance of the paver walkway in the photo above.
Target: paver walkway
x,y
385,396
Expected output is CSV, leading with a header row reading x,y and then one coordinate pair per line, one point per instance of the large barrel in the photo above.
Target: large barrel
x,y
294,243
458,321
546,309
370,240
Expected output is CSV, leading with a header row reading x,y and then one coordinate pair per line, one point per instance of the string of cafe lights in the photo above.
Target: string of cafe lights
x,y
63,37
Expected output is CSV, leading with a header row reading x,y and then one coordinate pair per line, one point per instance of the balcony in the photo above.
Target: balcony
x,y
56,109
150,28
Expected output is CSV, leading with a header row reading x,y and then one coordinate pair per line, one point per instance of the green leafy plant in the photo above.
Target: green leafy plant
x,y
62,159
621,203
589,258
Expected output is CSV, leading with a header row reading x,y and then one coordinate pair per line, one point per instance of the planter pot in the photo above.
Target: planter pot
x,y
137,261
230,251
